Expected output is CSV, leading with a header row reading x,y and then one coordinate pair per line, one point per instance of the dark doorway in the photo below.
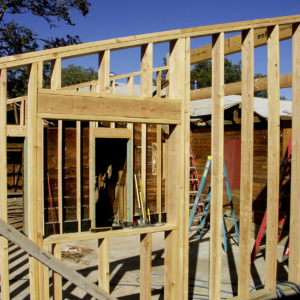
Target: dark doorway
x,y
110,159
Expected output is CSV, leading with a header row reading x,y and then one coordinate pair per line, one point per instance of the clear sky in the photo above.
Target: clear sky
x,y
119,18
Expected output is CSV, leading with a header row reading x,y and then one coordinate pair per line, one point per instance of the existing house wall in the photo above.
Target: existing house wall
x,y
201,146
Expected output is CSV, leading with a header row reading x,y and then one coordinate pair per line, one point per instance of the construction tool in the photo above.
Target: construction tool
x,y
257,247
100,229
142,219
202,215
50,198
143,201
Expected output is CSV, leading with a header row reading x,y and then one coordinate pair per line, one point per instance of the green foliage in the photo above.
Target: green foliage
x,y
77,74
16,39
202,72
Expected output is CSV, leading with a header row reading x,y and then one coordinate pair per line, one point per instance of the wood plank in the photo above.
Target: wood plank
x,y
158,84
32,176
103,264
158,171
113,133
16,130
52,262
107,109
260,84
4,270
185,137
46,277
127,42
273,157
246,163
130,162
146,265
294,260
60,174
78,173
86,236
217,166
57,279
234,44
92,174
146,91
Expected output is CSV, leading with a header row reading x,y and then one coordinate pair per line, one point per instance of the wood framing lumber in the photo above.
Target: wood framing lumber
x,y
294,260
185,136
40,197
52,262
128,42
129,210
57,279
16,130
146,91
103,264
234,44
246,163
273,157
113,133
86,236
260,84
146,265
110,108
92,157
4,269
78,173
217,166
32,175
60,174
158,171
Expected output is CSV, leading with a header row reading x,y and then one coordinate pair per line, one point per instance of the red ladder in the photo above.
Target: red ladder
x,y
262,230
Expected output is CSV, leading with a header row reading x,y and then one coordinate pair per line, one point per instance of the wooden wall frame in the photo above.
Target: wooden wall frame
x,y
174,110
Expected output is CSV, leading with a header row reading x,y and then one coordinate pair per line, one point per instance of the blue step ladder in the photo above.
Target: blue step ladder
x,y
204,199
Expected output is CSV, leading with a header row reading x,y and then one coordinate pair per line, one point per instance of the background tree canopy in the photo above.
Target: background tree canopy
x,y
16,39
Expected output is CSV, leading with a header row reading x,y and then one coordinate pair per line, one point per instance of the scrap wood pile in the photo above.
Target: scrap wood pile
x,y
76,254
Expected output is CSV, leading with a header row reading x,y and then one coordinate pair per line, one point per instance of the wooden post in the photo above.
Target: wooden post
x,y
158,84
60,175
32,176
55,85
92,169
294,261
57,279
103,264
146,90
273,157
217,140
246,162
130,161
78,173
158,171
46,277
4,268
185,144
176,267
145,265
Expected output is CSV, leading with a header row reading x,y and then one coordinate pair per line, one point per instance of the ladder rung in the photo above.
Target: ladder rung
x,y
287,178
204,200
193,192
192,168
262,247
231,235
194,179
199,204
201,214
196,228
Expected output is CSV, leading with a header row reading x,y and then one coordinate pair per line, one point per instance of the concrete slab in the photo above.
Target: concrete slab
x,y
125,264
